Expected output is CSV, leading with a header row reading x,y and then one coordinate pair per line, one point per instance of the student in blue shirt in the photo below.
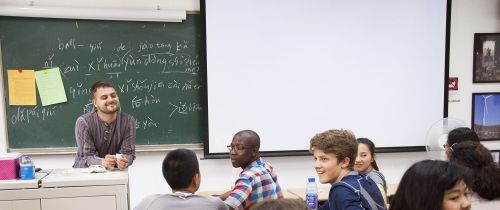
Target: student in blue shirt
x,y
334,154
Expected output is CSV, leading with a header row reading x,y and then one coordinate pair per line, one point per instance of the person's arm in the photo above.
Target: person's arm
x,y
225,195
88,155
382,191
274,176
344,198
240,192
378,178
127,148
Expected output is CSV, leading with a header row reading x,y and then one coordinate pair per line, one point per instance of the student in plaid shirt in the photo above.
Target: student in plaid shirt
x,y
257,181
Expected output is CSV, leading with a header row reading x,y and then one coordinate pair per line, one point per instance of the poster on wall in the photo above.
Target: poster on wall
x,y
486,115
486,61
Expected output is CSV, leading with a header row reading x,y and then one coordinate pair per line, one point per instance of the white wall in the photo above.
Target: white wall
x,y
467,17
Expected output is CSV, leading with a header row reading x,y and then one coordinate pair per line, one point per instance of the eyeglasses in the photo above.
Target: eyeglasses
x,y
444,145
238,147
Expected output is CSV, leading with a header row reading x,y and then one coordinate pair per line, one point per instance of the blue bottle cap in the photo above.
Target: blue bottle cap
x,y
311,179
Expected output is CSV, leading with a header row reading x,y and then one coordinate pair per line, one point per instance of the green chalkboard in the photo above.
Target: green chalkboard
x,y
154,66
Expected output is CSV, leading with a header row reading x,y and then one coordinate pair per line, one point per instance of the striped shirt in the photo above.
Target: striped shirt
x,y
257,182
96,139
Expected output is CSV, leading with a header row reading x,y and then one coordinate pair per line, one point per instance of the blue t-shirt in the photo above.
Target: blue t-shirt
x,y
348,195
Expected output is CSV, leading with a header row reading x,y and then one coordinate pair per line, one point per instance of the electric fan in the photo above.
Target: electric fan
x,y
438,134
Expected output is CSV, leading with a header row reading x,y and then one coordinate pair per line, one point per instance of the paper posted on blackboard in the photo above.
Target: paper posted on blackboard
x,y
50,86
21,87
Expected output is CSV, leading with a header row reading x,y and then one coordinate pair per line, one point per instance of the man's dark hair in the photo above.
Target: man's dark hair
x,y
179,167
100,84
251,137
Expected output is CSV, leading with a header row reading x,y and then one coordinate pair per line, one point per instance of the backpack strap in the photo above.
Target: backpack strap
x,y
356,191
368,197
362,193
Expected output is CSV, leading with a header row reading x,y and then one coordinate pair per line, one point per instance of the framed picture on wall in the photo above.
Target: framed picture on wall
x,y
486,115
486,62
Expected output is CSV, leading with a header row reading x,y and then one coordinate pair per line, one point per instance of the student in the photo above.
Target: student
x,y
365,163
258,181
105,132
181,171
484,173
458,135
280,204
334,154
432,185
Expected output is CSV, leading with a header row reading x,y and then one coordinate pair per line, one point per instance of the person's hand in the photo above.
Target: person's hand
x,y
109,161
122,163
225,195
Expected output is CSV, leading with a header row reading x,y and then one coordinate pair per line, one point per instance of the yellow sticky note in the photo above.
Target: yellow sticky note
x,y
22,90
50,86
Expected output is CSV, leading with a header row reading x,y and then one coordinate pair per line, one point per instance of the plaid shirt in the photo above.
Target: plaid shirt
x,y
257,182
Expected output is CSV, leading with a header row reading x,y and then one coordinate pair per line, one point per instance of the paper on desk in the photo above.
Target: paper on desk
x,y
21,87
50,86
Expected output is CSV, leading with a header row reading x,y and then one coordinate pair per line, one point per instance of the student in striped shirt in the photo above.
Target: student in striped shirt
x,y
257,181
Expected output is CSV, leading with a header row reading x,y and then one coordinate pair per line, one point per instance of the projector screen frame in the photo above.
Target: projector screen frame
x,y
397,149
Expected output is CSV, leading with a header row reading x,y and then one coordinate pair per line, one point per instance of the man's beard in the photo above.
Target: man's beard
x,y
109,111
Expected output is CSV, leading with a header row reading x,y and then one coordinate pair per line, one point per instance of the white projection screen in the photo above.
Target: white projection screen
x,y
289,69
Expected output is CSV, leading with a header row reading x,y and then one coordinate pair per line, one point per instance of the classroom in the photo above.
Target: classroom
x,y
293,163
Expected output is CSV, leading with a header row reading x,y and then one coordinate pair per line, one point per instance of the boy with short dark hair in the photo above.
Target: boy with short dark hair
x,y
182,173
334,154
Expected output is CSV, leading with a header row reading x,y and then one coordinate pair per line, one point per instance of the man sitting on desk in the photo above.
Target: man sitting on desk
x,y
257,181
105,132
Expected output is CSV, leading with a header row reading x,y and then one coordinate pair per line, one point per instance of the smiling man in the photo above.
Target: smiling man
x,y
334,155
105,132
258,180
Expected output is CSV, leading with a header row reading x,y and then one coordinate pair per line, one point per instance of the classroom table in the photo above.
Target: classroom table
x,y
324,190
23,184
286,193
301,193
73,188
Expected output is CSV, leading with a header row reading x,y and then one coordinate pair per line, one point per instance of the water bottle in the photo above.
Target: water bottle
x,y
312,194
26,168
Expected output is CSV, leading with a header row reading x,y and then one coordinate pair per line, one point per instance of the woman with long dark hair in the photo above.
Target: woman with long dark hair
x,y
484,173
365,163
432,185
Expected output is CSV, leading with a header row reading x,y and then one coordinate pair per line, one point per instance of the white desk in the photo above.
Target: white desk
x,y
68,189
286,193
323,193
23,184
